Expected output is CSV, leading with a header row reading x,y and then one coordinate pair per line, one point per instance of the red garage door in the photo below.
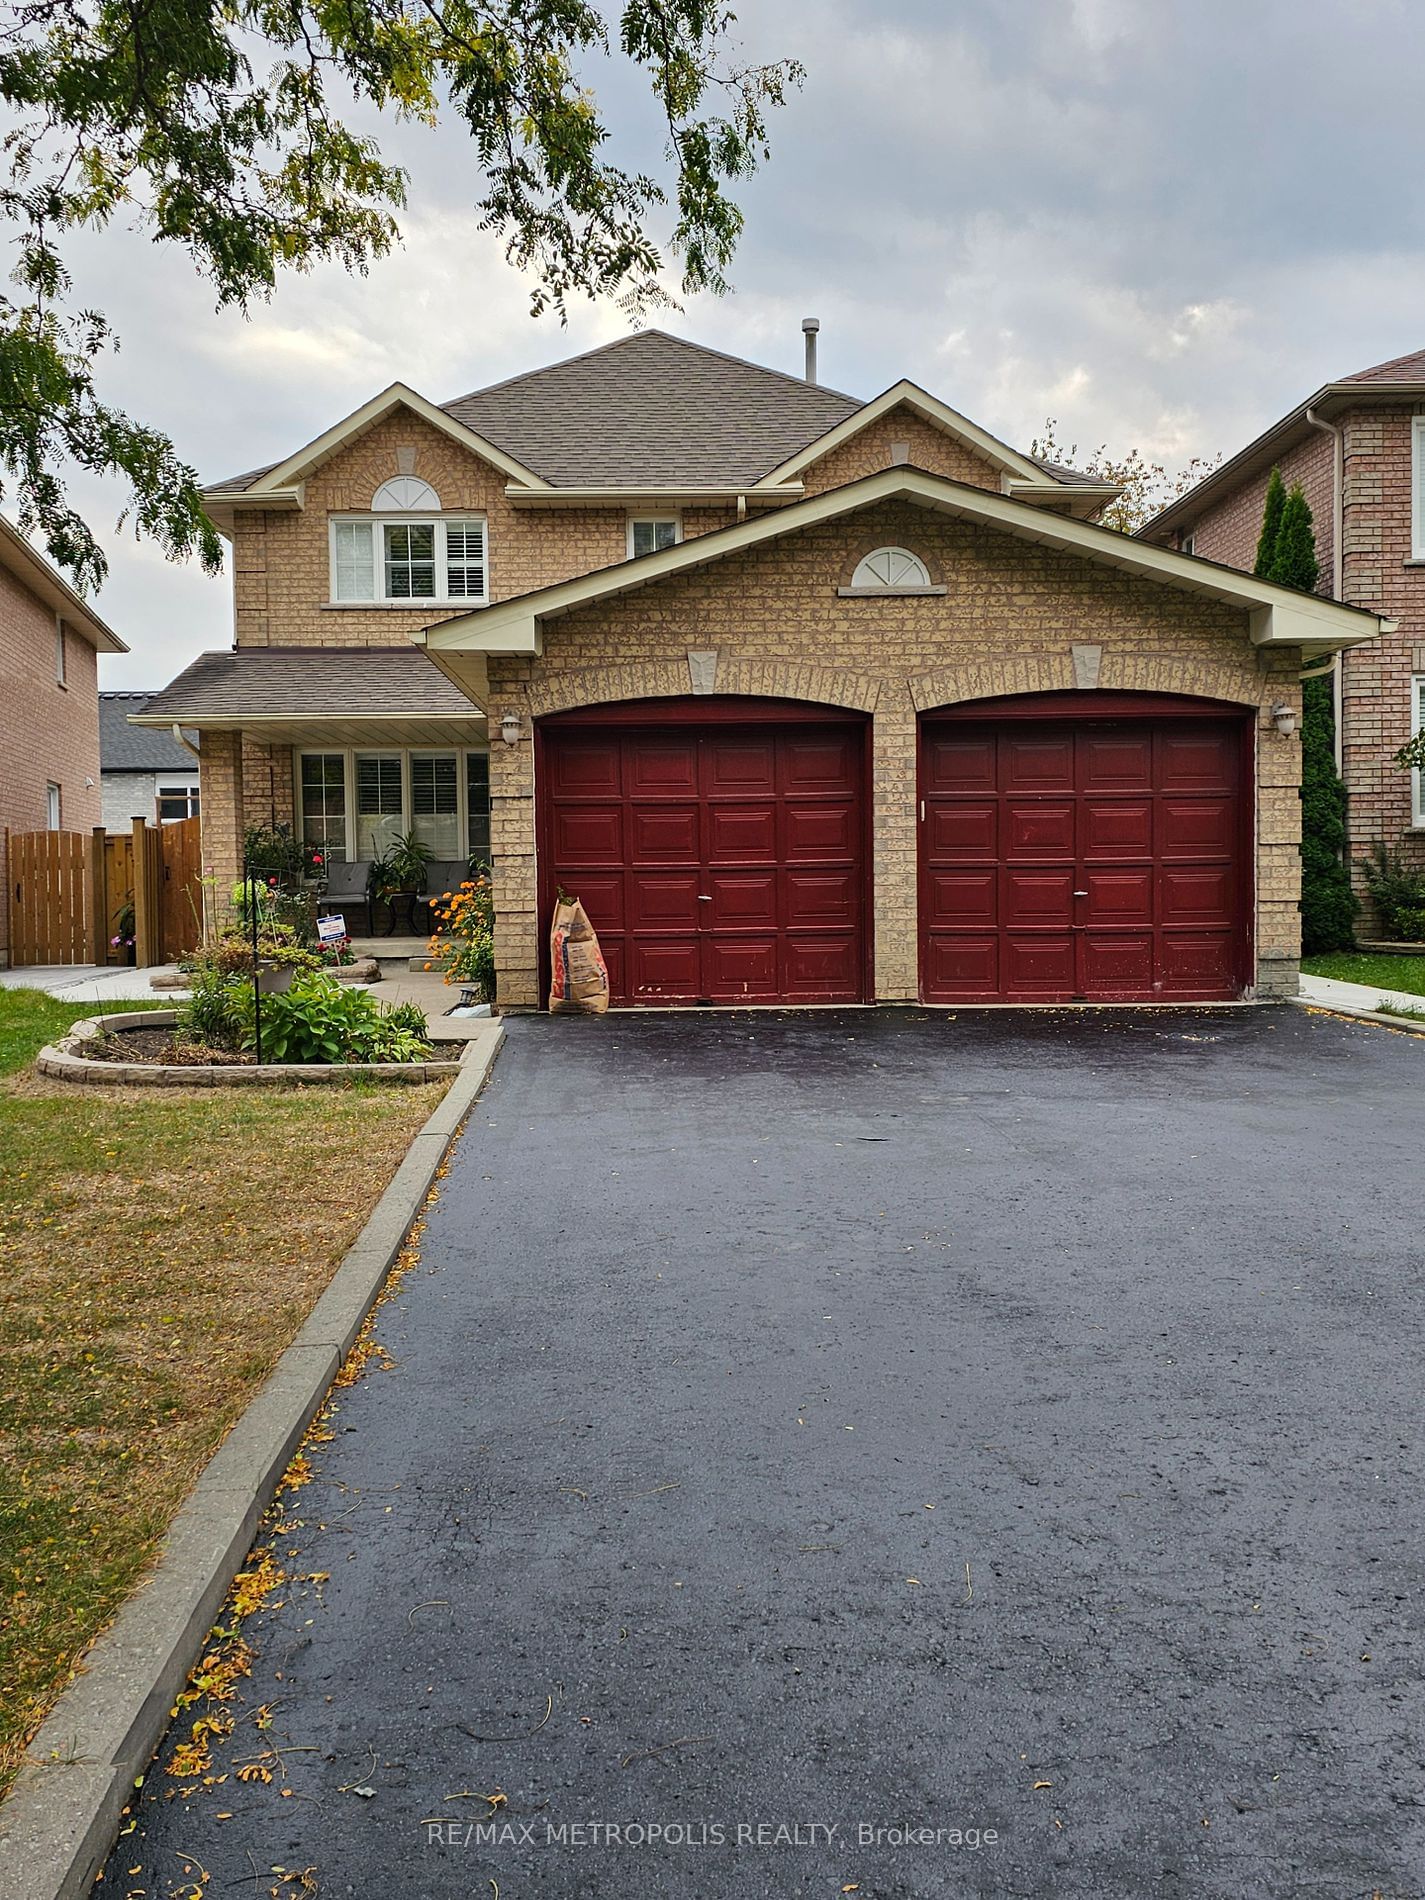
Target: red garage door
x,y
718,848
1098,857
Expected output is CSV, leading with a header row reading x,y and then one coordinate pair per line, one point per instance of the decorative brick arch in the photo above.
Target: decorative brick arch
x,y
1230,678
670,679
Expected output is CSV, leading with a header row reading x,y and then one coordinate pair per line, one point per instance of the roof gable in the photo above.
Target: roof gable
x,y
1280,615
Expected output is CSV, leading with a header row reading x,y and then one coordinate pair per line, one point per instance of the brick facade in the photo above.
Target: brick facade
x,y
50,732
1007,624
1378,574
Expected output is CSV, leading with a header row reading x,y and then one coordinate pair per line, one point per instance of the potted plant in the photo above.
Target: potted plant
x,y
401,872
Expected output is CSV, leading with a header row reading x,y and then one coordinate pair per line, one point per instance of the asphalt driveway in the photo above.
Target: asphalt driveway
x,y
808,1429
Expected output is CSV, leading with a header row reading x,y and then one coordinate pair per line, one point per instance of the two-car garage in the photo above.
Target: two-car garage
x,y
1070,847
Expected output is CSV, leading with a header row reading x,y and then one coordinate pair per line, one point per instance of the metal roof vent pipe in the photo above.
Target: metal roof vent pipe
x,y
810,326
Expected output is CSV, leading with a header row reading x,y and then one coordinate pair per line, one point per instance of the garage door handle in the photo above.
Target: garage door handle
x,y
702,899
1080,893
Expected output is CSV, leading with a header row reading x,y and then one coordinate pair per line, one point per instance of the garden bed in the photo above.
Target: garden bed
x,y
130,1050
363,970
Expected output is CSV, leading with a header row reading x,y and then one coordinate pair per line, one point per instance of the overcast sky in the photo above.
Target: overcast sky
x,y
1163,224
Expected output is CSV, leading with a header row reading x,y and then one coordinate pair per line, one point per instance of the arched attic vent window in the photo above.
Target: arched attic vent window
x,y
404,495
891,567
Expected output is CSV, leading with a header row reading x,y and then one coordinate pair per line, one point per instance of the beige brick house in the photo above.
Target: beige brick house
x,y
809,699
49,714
1357,447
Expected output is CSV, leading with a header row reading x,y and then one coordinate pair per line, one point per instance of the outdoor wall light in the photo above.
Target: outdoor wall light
x,y
1284,718
510,728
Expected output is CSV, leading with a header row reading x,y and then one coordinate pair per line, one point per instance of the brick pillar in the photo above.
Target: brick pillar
x,y
512,859
221,803
1279,832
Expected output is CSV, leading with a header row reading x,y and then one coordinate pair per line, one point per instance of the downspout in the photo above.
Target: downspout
x,y
1338,559
184,741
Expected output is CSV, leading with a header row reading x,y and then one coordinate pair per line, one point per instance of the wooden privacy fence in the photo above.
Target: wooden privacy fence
x,y
68,893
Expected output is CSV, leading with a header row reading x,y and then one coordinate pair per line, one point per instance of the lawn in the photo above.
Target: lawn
x,y
1355,966
158,1251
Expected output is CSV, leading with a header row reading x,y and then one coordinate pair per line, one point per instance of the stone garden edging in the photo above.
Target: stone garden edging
x,y
62,1062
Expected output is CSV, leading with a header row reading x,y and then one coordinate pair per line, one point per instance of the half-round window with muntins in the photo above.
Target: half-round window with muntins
x,y
405,495
891,567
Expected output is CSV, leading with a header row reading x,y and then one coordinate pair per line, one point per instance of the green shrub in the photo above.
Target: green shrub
x,y
320,1020
1399,893
1328,904
214,1013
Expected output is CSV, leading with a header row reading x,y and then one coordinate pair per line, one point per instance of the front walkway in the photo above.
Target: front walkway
x,y
1329,993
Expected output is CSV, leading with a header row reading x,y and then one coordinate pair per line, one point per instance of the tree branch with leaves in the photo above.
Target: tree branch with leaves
x,y
220,126
1147,487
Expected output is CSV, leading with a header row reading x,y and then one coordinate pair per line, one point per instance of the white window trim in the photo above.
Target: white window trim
x,y
1417,778
379,599
349,754
671,514
171,787
61,669
1417,488
54,806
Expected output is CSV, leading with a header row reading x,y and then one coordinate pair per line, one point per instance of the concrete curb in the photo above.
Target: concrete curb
x,y
61,1062
1402,1025
62,1815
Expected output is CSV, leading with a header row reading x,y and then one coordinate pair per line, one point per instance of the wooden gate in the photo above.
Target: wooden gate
x,y
49,897
72,894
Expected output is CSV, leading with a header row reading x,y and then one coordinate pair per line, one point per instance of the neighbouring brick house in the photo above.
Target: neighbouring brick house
x,y
1357,447
49,715
810,699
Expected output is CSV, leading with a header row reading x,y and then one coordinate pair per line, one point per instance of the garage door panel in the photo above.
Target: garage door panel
x,y
1196,827
1120,896
592,768
742,766
1115,827
739,833
820,764
1109,762
1202,760
966,964
1036,896
740,969
961,898
662,834
588,834
1115,964
827,898
1038,965
1197,964
1037,762
1200,894
718,863
661,768
821,829
740,900
661,969
821,969
962,828
1143,816
961,764
602,895
1038,828
661,900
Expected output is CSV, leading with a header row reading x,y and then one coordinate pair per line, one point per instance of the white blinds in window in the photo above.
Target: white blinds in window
x,y
465,560
355,569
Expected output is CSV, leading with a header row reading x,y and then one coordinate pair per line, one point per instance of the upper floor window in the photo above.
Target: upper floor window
x,y
1417,487
440,560
404,495
649,534
891,567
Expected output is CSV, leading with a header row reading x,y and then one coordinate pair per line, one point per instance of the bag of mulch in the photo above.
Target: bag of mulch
x,y
580,979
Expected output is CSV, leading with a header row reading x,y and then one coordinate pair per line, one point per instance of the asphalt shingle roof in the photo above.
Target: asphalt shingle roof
x,y
655,411
1400,369
345,681
126,748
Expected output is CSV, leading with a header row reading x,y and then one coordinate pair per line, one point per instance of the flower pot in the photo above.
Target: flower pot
x,y
273,978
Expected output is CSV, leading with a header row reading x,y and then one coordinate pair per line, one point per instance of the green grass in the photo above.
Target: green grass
x,y
1377,972
158,1250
